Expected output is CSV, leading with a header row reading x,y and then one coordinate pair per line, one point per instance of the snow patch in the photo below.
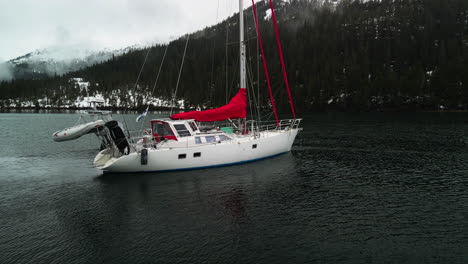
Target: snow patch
x,y
267,15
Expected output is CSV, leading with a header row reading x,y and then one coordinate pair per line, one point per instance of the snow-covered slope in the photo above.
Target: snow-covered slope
x,y
54,61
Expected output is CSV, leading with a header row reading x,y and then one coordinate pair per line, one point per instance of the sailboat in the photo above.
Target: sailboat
x,y
180,143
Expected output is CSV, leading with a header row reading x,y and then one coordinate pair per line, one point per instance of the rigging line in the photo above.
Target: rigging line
x,y
180,73
251,82
141,70
257,59
212,58
159,71
245,40
255,99
251,94
226,66
265,68
236,69
228,88
155,83
134,87
253,102
229,9
280,51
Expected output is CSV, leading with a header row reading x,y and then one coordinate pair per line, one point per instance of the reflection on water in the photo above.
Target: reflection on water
x,y
171,209
371,188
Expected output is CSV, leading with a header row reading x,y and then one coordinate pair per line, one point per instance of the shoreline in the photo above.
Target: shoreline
x,y
167,109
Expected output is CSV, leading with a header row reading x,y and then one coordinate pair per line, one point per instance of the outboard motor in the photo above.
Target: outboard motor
x,y
118,136
102,133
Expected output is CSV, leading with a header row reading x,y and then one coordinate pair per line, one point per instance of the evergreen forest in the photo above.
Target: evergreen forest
x,y
351,55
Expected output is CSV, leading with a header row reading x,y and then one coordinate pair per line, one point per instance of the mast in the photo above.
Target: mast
x,y
242,46
242,71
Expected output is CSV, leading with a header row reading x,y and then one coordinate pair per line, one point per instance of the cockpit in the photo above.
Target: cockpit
x,y
164,130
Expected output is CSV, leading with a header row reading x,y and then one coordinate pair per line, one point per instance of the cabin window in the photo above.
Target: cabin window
x,y
210,139
162,129
182,130
254,146
197,154
198,140
182,156
193,126
224,138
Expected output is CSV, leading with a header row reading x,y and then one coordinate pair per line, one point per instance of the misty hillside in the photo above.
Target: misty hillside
x,y
50,62
350,55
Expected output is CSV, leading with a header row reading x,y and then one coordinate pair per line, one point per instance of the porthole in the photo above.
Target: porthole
x,y
197,154
254,146
182,156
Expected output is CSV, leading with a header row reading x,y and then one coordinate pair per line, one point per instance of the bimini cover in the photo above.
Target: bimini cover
x,y
236,108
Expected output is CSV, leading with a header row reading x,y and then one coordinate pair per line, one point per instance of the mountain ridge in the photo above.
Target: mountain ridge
x,y
373,55
48,62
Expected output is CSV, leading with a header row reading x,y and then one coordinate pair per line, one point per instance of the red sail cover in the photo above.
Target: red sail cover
x,y
236,108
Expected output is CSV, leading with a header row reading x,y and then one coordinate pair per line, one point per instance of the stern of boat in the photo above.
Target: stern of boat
x,y
102,158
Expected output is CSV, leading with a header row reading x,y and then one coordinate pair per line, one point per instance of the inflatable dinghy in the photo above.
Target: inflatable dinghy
x,y
77,131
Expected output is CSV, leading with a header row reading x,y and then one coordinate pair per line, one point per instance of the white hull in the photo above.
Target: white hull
x,y
240,149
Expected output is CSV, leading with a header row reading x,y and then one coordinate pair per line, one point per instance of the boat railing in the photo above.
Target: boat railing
x,y
134,136
142,138
272,125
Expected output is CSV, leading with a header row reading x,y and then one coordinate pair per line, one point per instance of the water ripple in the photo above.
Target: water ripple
x,y
373,188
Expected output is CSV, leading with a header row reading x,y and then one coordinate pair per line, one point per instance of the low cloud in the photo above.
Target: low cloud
x,y
101,24
6,71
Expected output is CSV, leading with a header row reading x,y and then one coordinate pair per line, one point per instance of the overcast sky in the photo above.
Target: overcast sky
x,y
27,25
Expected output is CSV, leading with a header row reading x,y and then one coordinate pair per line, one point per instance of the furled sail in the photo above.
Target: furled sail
x,y
236,108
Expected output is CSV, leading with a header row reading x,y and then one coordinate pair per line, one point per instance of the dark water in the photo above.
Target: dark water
x,y
356,188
